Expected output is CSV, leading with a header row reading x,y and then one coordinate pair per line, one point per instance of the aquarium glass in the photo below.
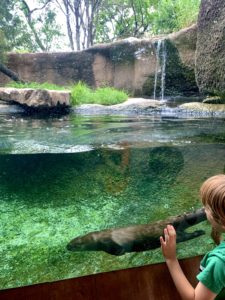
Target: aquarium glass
x,y
62,177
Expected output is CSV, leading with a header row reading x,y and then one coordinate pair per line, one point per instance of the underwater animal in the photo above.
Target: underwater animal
x,y
136,238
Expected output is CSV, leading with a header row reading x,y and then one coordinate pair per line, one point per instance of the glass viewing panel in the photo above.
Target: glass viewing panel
x,y
65,177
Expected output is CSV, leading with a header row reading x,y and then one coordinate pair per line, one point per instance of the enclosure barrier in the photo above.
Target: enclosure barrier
x,y
152,282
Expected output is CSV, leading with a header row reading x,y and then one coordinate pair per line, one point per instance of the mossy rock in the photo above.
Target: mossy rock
x,y
180,79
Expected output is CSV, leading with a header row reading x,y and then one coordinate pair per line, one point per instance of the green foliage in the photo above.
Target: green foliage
x,y
29,29
109,96
173,15
36,28
3,47
187,12
82,94
50,30
13,26
121,19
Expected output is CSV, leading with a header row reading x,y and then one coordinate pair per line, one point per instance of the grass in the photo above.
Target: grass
x,y
36,85
81,93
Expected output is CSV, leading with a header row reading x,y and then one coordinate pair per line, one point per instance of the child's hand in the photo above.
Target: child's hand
x,y
168,245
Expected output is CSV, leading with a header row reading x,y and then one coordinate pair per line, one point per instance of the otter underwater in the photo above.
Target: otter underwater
x,y
137,238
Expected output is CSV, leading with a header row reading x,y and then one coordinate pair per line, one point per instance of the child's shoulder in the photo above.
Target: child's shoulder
x,y
218,252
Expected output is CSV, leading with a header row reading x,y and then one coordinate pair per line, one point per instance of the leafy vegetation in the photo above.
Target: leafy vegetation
x,y
31,29
3,47
39,26
173,15
80,92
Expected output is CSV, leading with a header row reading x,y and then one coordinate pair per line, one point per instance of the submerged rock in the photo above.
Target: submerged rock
x,y
36,98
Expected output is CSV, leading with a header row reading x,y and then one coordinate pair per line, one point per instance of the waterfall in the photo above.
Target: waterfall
x,y
157,65
160,68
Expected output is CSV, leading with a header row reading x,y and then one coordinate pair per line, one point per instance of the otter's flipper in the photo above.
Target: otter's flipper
x,y
185,236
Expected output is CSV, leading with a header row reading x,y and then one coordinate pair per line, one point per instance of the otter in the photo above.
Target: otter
x,y
136,238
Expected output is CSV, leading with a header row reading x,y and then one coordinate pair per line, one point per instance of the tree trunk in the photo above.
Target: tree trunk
x,y
12,75
68,23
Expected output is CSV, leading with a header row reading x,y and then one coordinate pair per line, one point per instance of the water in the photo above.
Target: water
x,y
163,71
64,177
160,68
157,67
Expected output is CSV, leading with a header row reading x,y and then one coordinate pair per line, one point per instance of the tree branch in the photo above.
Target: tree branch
x,y
27,12
12,75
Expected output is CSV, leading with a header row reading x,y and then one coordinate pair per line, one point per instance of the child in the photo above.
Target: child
x,y
212,276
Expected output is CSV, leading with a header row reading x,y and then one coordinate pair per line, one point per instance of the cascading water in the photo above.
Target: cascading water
x,y
157,66
160,69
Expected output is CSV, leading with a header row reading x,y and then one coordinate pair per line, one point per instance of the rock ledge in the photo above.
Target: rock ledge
x,y
36,98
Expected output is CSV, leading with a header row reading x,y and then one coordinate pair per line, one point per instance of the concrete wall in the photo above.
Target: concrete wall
x,y
127,64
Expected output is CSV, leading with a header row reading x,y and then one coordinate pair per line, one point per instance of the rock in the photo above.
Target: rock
x,y
203,109
37,99
210,52
131,106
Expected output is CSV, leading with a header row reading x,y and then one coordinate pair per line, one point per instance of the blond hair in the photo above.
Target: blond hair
x,y
212,195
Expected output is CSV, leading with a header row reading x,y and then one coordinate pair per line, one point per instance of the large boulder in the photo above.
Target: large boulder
x,y
36,99
210,53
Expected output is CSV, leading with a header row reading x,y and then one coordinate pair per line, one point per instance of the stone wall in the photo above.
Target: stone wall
x,y
128,64
210,54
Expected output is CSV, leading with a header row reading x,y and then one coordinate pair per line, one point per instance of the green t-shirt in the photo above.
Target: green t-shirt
x,y
212,273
